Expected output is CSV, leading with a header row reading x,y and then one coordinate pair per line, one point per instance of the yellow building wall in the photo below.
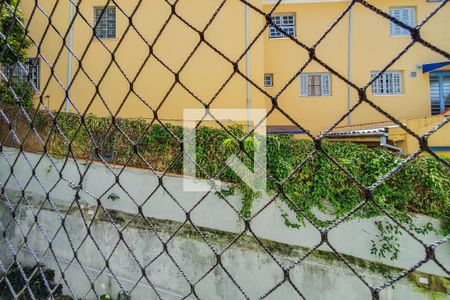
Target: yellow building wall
x,y
203,75
372,49
439,141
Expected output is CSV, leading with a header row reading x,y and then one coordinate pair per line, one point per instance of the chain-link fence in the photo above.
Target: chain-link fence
x,y
73,201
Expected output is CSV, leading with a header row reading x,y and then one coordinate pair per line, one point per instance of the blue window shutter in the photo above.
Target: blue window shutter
x,y
304,85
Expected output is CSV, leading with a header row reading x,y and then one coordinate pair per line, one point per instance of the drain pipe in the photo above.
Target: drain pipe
x,y
384,143
349,60
69,61
247,67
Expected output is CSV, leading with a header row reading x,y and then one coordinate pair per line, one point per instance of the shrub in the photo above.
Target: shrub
x,y
23,89
36,283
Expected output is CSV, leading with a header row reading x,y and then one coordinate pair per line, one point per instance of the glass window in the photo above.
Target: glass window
x,y
315,84
268,80
389,83
406,15
28,71
285,22
106,19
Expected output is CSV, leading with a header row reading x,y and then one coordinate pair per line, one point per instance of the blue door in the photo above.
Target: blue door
x,y
439,92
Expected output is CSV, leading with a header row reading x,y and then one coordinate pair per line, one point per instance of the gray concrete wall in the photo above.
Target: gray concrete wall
x,y
320,276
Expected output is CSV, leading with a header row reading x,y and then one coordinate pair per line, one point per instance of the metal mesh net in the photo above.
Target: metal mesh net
x,y
164,251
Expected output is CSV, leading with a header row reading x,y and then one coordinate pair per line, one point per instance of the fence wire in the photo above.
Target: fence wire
x,y
28,277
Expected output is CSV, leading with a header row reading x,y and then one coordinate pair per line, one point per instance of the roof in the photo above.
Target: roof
x,y
371,131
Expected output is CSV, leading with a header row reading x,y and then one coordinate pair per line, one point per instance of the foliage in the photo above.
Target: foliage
x,y
23,91
12,26
14,42
421,186
36,283
120,296
113,197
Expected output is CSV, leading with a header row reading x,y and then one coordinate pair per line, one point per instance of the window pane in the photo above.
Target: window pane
x,y
389,83
106,25
406,15
285,23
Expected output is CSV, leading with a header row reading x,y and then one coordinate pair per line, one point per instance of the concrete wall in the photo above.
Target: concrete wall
x,y
321,276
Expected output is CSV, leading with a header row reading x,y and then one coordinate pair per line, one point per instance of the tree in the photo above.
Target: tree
x,y
13,45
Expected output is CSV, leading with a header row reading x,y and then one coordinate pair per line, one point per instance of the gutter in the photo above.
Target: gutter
x,y
382,135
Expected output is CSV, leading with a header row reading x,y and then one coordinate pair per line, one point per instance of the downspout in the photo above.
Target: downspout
x,y
383,139
349,59
69,61
247,68
384,143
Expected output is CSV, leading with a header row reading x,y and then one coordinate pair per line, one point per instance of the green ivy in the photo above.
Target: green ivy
x,y
36,283
422,186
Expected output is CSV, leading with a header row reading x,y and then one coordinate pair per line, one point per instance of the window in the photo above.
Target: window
x,y
406,15
389,83
29,71
106,27
315,84
439,92
285,22
268,80
33,66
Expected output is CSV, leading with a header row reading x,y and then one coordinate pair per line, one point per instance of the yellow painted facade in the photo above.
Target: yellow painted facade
x,y
154,86
371,49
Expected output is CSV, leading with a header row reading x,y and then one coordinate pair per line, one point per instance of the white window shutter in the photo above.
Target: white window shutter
x,y
396,83
395,29
325,82
375,84
303,85
412,17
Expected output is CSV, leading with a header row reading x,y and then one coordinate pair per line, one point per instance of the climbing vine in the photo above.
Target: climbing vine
x,y
422,186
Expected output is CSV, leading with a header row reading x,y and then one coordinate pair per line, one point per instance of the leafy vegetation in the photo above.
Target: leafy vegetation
x,y
120,296
422,186
14,47
36,283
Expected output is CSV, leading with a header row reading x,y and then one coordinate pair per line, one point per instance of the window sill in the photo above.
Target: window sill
x,y
329,96
97,39
282,38
400,36
387,95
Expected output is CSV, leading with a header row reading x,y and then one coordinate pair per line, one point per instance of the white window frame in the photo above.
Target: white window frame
x,y
390,83
286,22
268,80
103,30
325,84
406,15
31,69
33,65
